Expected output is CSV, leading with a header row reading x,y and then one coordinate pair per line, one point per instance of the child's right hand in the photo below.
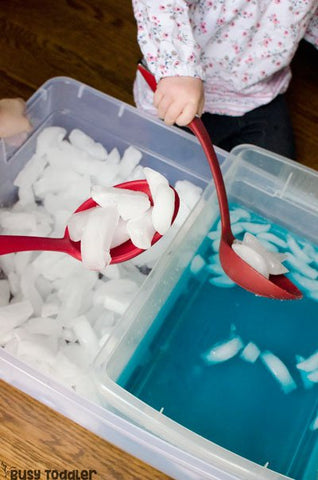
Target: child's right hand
x,y
179,99
12,117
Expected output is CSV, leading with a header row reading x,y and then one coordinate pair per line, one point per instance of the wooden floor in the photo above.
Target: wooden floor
x,y
95,42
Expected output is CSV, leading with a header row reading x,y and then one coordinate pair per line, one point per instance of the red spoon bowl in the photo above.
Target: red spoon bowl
x,y
121,253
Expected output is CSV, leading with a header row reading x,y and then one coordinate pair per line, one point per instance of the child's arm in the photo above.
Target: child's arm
x,y
169,48
12,117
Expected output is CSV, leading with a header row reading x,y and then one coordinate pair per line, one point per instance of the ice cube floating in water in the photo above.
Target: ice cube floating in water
x,y
301,257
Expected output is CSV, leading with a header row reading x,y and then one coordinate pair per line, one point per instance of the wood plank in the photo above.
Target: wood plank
x,y
35,437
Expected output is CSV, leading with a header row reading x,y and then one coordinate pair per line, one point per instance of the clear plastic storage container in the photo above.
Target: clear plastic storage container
x,y
70,104
278,189
139,370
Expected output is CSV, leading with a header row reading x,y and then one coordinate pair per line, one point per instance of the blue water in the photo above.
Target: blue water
x,y
236,404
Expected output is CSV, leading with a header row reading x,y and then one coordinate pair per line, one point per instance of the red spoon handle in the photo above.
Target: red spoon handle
x,y
22,243
197,127
199,130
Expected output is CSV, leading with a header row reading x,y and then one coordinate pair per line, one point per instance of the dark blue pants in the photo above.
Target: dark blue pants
x,y
268,126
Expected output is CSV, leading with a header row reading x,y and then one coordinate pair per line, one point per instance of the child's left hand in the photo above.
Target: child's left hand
x,y
12,117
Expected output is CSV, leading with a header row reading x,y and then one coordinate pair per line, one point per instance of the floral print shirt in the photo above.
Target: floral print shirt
x,y
240,48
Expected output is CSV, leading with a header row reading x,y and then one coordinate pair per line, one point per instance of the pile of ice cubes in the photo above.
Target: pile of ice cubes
x,y
55,314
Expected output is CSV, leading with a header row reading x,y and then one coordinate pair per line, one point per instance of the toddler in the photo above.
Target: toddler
x,y
227,60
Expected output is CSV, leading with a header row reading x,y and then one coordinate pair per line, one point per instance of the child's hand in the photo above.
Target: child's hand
x,y
12,117
179,99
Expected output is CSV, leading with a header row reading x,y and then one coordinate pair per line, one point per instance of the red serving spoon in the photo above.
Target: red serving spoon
x,y
121,253
277,286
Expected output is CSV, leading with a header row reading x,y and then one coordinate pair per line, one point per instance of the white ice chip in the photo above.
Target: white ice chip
x,y
309,364
253,252
50,137
154,179
279,371
82,141
130,204
162,212
250,256
77,223
141,230
97,237
223,351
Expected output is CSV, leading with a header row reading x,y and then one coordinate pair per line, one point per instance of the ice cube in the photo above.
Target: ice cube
x,y
14,314
308,283
250,352
30,172
97,237
26,196
56,181
141,230
197,264
223,351
130,204
116,295
154,179
279,371
273,259
309,364
35,346
50,309
252,227
164,205
272,238
77,223
17,222
85,335
188,192
215,268
129,161
78,355
113,157
29,289
301,266
253,258
82,141
313,376
43,326
238,214
297,250
222,281
120,236
48,138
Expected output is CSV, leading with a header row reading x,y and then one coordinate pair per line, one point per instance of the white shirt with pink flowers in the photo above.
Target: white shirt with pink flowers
x,y
242,49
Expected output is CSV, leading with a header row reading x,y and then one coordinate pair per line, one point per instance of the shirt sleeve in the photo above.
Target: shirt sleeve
x,y
311,34
166,38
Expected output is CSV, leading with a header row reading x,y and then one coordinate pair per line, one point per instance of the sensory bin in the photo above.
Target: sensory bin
x,y
211,367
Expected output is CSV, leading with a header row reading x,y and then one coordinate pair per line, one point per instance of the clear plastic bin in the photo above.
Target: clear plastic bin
x,y
284,192
70,104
